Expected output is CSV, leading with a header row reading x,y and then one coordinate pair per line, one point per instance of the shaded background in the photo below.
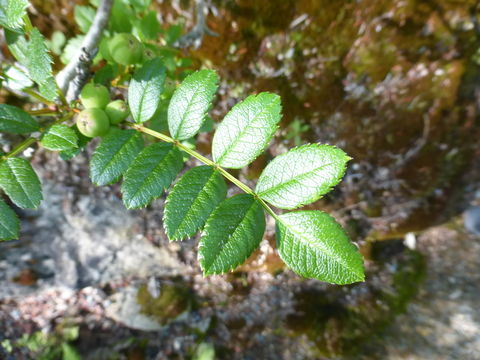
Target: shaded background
x,y
396,84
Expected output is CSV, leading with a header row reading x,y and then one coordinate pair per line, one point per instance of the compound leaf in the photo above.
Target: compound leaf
x,y
314,245
232,233
60,137
39,65
145,89
114,155
192,200
246,130
16,121
20,182
12,12
152,171
302,175
9,223
190,103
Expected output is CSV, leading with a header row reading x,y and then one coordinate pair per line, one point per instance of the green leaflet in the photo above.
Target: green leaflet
x,y
302,175
18,45
192,200
145,89
9,223
246,130
12,12
84,16
152,171
232,233
190,103
81,143
114,155
60,137
148,27
20,182
314,245
33,54
39,65
16,121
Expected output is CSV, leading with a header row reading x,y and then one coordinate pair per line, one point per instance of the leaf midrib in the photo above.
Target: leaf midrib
x,y
175,236
242,132
7,229
32,204
144,181
322,249
190,101
61,137
231,236
113,158
296,178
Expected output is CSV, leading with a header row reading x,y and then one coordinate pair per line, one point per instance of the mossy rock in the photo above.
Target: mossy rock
x,y
173,300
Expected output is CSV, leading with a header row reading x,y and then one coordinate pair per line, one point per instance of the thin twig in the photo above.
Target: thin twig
x,y
195,36
71,79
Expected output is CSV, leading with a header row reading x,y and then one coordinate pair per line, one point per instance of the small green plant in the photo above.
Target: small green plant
x,y
43,346
148,161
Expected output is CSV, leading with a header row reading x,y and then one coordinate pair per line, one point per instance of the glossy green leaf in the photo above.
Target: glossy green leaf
x,y
145,90
84,16
302,175
114,155
60,137
20,182
81,143
12,12
246,130
232,233
192,200
9,223
190,103
315,246
16,121
153,170
39,65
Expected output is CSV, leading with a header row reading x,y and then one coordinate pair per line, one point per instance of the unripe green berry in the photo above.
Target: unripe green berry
x,y
104,49
126,49
94,96
93,122
117,111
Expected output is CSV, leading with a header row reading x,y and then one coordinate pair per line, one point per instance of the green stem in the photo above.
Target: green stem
x,y
43,112
204,160
31,140
38,97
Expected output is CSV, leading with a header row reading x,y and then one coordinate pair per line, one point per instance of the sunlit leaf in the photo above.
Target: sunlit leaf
x,y
20,182
192,200
233,231
246,130
315,246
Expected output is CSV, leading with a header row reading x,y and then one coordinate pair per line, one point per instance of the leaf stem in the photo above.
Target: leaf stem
x,y
204,160
38,97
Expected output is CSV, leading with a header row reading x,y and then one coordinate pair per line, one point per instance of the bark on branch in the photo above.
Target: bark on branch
x,y
195,36
72,78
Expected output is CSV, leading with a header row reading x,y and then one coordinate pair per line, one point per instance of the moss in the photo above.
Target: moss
x,y
172,301
343,322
